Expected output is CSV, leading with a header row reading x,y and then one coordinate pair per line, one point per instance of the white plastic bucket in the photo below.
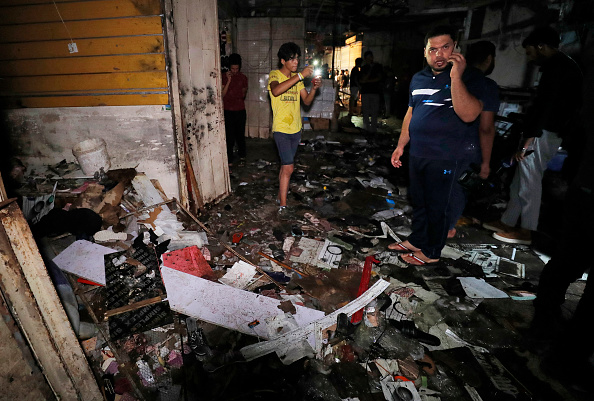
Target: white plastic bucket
x,y
92,155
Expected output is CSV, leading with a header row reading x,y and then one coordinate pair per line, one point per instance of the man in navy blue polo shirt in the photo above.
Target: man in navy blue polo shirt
x,y
441,124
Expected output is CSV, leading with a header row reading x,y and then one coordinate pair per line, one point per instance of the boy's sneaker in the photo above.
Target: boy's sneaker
x,y
497,226
522,237
284,213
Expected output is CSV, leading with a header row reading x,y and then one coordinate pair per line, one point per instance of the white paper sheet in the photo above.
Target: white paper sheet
x,y
314,252
84,259
479,288
330,254
239,276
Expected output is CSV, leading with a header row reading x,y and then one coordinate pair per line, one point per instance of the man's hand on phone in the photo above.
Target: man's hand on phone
x,y
458,65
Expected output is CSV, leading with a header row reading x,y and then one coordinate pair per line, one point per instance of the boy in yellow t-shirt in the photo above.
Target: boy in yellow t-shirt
x,y
285,87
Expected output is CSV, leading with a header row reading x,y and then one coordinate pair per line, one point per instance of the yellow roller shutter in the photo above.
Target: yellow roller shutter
x,y
120,58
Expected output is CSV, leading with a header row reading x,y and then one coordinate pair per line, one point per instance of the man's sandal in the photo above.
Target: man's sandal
x,y
398,247
416,261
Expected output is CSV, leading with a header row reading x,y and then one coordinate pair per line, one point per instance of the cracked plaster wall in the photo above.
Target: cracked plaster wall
x,y
136,136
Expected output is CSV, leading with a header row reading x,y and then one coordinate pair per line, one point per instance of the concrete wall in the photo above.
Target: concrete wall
x,y
257,40
510,66
136,136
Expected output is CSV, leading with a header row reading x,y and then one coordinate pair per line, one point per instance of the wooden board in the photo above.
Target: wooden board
x,y
30,292
82,10
83,65
85,101
198,66
120,49
86,47
87,82
26,2
80,29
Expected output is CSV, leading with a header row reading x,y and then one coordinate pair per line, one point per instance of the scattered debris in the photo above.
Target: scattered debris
x,y
321,290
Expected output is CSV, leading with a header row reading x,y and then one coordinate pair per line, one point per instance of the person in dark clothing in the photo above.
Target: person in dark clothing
x,y
370,87
388,87
480,55
446,99
568,359
354,85
558,96
235,85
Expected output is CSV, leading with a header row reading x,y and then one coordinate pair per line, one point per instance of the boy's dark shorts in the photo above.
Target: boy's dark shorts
x,y
287,145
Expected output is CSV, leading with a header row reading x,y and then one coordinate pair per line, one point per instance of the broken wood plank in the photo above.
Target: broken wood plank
x,y
134,306
24,281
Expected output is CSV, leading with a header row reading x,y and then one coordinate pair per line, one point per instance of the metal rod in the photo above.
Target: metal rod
x,y
283,265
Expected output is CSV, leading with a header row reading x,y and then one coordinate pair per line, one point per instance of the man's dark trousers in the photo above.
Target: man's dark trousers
x,y
235,132
431,186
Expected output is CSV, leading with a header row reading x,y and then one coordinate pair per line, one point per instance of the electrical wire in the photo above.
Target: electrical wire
x,y
61,19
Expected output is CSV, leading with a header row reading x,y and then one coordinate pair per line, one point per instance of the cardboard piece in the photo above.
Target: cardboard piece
x,y
330,254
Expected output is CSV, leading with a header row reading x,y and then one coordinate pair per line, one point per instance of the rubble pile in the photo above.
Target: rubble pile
x,y
241,303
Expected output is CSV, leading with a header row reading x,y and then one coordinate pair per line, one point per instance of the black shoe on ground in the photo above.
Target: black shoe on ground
x,y
408,328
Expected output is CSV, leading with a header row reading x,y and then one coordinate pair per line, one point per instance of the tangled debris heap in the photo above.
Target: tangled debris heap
x,y
198,307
